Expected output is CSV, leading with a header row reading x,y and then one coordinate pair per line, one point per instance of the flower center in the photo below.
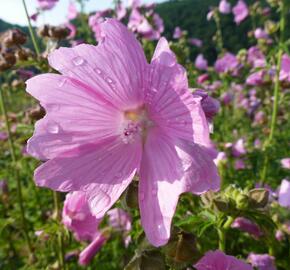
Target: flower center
x,y
136,123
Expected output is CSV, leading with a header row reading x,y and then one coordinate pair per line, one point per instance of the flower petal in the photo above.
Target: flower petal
x,y
103,171
75,115
107,67
170,167
171,104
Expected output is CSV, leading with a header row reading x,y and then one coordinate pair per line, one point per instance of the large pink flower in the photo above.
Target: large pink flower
x,y
217,260
111,115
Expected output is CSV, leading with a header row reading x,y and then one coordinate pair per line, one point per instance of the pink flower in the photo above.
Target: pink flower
x,y
121,221
77,216
3,186
46,4
262,261
284,193
256,58
217,260
196,42
239,164
228,63
246,225
120,11
261,34
221,157
224,7
285,68
72,11
238,148
202,78
209,105
256,78
3,136
92,249
128,111
285,162
209,15
201,62
177,33
240,11
34,16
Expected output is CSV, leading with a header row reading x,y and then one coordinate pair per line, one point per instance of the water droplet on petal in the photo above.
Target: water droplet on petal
x,y
162,232
78,61
98,71
53,128
109,80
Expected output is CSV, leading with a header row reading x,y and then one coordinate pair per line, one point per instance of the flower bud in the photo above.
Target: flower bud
x,y
43,31
221,205
242,201
271,27
58,32
258,197
7,60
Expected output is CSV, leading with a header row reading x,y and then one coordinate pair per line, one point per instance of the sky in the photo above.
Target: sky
x,y
12,10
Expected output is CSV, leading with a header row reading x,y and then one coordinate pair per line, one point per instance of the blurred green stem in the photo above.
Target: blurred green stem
x,y
31,31
220,42
222,233
276,91
57,209
15,166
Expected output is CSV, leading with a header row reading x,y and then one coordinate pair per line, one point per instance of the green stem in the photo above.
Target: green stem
x,y
61,251
276,92
219,32
15,166
222,239
31,30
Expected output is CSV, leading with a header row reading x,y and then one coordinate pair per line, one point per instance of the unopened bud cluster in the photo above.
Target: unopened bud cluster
x,y
53,32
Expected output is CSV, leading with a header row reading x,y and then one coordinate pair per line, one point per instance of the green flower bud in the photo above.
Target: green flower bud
x,y
221,205
242,201
131,195
258,197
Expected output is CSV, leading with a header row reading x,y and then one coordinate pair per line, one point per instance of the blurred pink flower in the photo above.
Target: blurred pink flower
x,y
209,105
285,162
34,16
209,15
221,156
238,148
202,78
201,62
239,164
227,98
3,136
261,34
285,68
177,32
72,11
217,260
284,193
256,58
240,11
92,249
227,63
224,7
123,118
3,186
196,42
121,221
256,78
246,225
262,261
279,235
120,11
77,216
46,4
